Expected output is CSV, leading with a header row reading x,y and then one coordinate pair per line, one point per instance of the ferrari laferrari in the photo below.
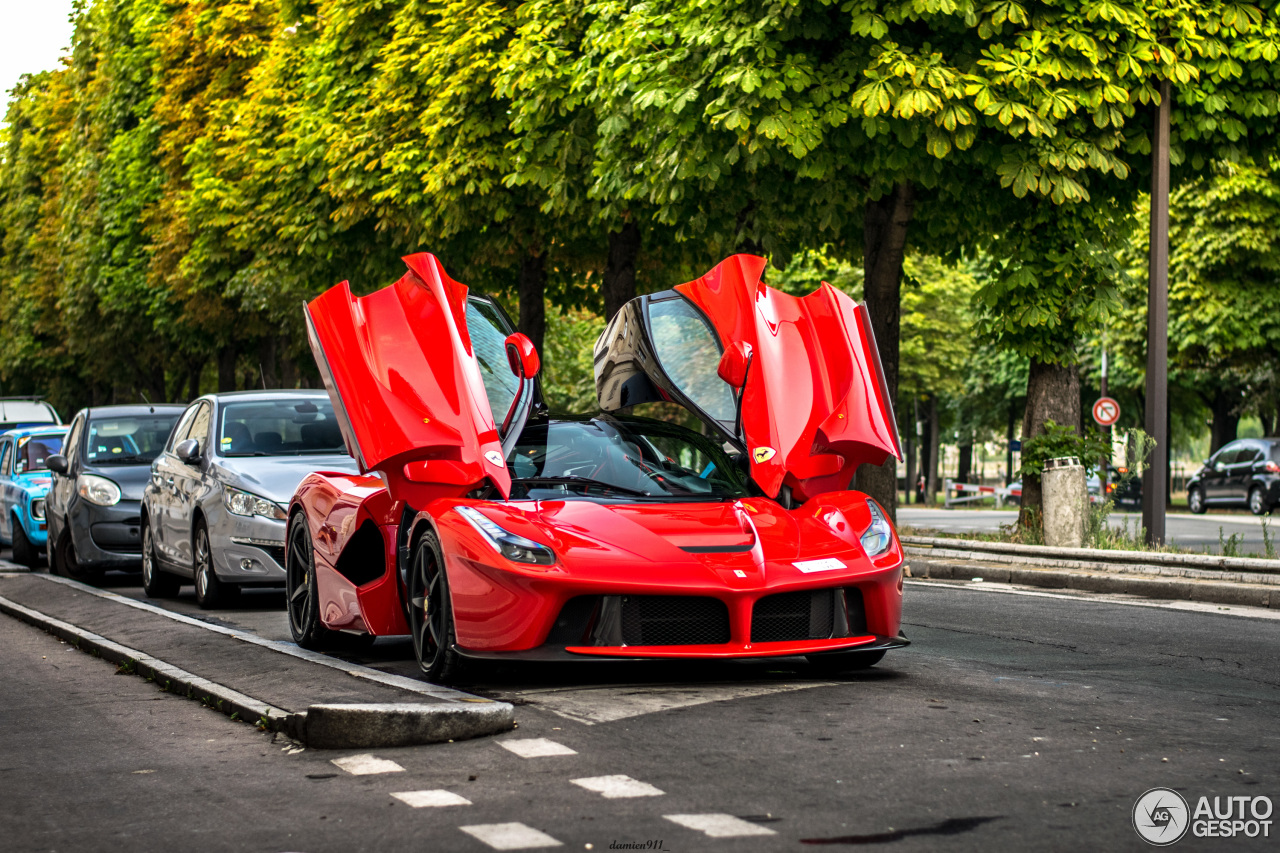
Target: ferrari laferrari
x,y
486,527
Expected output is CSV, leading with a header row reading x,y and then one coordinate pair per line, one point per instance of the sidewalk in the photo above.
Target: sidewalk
x,y
1185,577
322,701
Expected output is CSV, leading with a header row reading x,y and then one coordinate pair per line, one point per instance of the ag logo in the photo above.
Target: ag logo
x,y
494,457
1161,817
763,454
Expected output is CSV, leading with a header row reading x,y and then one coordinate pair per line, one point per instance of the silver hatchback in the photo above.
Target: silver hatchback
x,y
213,511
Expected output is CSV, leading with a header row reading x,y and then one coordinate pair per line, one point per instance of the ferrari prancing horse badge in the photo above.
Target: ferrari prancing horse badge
x,y
763,454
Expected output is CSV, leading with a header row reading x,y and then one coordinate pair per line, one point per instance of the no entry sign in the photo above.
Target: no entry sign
x,y
1106,411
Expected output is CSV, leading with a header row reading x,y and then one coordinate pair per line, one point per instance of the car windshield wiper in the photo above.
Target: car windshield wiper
x,y
585,482
121,460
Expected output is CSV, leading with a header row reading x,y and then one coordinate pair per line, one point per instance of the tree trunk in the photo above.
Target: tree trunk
x,y
1226,418
193,380
288,368
909,450
884,231
226,369
1008,444
965,468
532,293
620,272
1053,394
268,375
931,483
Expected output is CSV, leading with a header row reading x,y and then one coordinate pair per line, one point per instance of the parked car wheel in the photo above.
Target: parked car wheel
x,y
1257,505
156,582
302,594
64,552
845,661
211,593
1195,501
24,553
431,613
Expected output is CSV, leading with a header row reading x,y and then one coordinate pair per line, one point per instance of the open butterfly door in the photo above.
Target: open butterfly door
x,y
415,372
808,401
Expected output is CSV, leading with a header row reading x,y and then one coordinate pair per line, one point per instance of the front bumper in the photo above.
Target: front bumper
x,y
248,550
868,643
107,536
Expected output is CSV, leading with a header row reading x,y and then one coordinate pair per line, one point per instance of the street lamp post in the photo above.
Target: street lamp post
x,y
1156,475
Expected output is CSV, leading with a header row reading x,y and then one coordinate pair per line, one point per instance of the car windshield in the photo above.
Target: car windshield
x,y
631,459
128,440
289,426
32,453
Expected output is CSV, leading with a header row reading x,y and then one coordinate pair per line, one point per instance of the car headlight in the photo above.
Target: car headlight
x,y
98,490
249,505
37,509
879,535
513,547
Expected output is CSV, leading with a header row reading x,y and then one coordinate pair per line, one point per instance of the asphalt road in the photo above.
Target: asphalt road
x,y
1014,721
1198,532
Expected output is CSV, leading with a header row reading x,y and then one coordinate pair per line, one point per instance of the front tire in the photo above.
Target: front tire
x,y
834,662
302,596
431,613
67,564
156,582
1195,500
1257,506
211,593
24,553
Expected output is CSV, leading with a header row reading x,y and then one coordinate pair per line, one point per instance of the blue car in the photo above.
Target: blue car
x,y
24,482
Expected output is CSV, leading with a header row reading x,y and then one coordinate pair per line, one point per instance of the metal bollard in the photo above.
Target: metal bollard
x,y
1066,500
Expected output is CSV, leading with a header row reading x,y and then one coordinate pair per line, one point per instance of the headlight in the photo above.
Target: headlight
x,y
37,509
98,490
879,535
249,505
513,547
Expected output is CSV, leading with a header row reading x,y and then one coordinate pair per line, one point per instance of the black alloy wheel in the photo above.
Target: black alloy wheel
x,y
24,553
1257,505
431,613
845,661
1195,500
156,582
211,593
302,597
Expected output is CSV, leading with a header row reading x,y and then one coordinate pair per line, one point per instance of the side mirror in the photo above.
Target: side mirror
x,y
734,363
188,450
521,356
57,463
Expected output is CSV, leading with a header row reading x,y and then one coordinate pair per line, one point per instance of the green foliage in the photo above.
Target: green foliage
x,y
1057,441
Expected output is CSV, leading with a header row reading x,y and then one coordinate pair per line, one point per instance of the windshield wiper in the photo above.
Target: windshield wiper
x,y
125,460
584,482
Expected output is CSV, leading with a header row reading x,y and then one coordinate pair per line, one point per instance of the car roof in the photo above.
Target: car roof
x,y
33,431
132,410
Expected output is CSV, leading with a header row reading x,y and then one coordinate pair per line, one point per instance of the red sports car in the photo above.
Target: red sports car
x,y
486,527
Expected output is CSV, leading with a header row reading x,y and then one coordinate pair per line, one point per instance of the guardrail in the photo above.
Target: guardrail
x,y
969,493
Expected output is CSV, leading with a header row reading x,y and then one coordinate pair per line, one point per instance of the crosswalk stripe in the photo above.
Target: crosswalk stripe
x,y
536,747
427,799
719,825
509,836
617,787
364,765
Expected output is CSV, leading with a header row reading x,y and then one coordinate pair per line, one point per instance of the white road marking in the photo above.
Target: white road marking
x,y
1104,598
536,747
366,765
509,836
430,799
607,704
719,825
617,787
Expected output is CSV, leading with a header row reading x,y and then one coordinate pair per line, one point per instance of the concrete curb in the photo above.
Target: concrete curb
x,y
322,726
1099,556
1114,583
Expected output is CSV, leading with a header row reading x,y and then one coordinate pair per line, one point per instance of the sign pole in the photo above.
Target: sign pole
x,y
1155,478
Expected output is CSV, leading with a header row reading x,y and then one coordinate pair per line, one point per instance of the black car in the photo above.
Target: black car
x,y
1242,473
94,505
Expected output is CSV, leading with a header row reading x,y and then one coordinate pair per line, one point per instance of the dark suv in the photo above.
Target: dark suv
x,y
1242,473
